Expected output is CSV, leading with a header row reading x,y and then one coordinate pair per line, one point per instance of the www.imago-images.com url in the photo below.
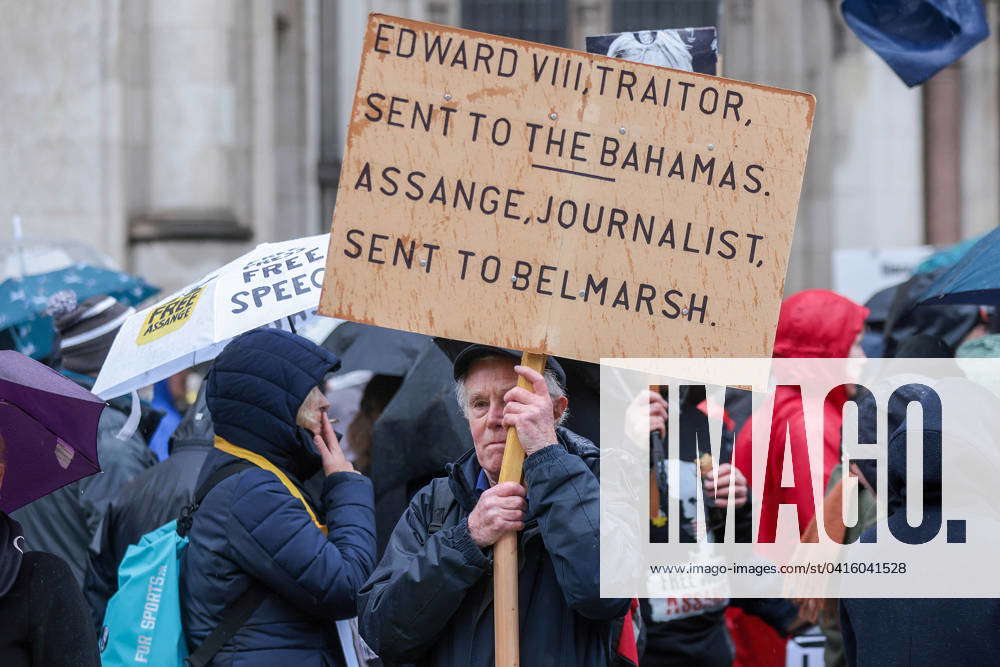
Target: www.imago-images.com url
x,y
822,567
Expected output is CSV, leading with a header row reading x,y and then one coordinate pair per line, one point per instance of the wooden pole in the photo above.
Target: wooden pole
x,y
505,611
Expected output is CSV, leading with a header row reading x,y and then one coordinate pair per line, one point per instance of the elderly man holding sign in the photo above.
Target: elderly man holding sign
x,y
430,598
460,143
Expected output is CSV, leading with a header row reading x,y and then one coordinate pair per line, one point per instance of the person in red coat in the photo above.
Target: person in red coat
x,y
813,323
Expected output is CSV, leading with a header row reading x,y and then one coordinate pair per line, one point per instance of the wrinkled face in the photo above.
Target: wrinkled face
x,y
310,414
485,385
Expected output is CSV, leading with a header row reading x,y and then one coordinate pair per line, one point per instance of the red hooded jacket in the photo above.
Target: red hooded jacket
x,y
813,323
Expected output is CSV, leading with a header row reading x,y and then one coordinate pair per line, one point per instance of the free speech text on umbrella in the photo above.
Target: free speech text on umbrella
x,y
295,273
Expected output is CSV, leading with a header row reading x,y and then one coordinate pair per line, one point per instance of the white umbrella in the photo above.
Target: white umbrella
x,y
276,284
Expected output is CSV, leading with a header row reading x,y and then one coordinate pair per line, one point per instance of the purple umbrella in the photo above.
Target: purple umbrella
x,y
48,430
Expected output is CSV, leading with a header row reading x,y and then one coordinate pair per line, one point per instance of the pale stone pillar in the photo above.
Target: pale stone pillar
x,y
943,150
587,17
263,186
199,204
192,110
878,153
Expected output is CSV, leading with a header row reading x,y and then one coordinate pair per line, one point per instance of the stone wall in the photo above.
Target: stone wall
x,y
175,135
62,121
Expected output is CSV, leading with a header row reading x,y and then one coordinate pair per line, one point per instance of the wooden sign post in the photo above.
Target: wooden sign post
x,y
505,614
609,208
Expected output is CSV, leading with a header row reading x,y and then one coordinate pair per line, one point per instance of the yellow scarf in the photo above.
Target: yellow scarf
x,y
261,462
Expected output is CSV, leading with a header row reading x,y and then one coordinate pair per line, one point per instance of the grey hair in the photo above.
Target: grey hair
x,y
556,390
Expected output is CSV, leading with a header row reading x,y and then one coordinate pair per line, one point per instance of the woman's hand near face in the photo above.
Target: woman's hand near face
x,y
329,449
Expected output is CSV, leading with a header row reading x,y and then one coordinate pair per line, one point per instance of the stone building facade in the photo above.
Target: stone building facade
x,y
174,135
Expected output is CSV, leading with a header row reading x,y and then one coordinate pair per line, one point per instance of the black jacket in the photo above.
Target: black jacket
x,y
43,618
430,600
920,631
153,498
690,631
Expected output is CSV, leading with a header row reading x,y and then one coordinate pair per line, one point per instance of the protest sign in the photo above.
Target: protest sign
x,y
609,208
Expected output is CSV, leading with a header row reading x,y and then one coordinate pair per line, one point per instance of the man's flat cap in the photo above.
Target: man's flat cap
x,y
465,358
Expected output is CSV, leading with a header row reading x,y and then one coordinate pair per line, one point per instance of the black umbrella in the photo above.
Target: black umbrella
x,y
878,307
950,323
376,349
418,433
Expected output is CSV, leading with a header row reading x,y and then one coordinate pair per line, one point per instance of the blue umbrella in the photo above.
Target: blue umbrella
x,y
973,279
916,38
23,301
947,256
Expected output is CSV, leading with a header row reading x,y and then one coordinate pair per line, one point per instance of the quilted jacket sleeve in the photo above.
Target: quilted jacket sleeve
x,y
272,538
566,496
419,584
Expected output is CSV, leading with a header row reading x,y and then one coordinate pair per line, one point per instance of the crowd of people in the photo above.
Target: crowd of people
x,y
286,560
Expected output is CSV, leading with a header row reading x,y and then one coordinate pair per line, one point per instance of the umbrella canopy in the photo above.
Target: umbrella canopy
x,y
23,300
949,322
377,349
48,430
917,38
276,284
948,256
974,279
418,433
31,256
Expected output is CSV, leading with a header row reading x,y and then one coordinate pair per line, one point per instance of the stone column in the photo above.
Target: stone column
x,y
202,166
863,184
587,17
943,156
192,120
263,186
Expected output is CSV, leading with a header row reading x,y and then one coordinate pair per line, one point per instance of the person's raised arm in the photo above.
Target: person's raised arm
x,y
275,540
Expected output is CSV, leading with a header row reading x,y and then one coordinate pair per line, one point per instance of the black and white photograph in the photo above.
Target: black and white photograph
x,y
688,49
